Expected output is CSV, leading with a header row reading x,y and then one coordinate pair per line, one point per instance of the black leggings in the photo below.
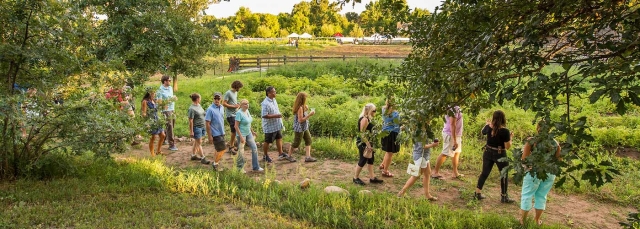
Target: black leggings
x,y
489,158
364,160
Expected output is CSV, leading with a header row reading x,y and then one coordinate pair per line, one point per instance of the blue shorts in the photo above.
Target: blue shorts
x,y
198,133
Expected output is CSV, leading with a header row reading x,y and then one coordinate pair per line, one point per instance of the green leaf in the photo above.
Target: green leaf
x,y
595,96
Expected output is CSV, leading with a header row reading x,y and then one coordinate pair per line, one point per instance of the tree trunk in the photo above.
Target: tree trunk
x,y
175,81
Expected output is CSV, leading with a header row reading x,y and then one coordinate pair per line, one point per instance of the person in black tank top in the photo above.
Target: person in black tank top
x,y
363,142
498,142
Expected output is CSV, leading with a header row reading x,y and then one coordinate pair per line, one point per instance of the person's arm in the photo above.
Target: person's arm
x,y
144,109
434,144
191,127
507,144
301,117
207,119
237,127
558,155
452,120
526,150
487,128
266,113
363,128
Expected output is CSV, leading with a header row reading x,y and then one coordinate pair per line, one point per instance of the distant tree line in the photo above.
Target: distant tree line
x,y
320,18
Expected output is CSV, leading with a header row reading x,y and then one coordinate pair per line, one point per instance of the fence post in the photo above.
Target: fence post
x,y
311,58
284,59
259,62
377,57
344,58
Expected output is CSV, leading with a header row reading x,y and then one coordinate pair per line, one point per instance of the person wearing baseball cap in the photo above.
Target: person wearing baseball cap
x,y
214,119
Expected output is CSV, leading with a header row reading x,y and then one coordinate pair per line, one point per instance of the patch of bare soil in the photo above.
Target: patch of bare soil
x,y
628,152
576,211
368,50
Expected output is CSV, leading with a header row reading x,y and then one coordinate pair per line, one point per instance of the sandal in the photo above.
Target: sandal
x,y
439,177
433,198
387,174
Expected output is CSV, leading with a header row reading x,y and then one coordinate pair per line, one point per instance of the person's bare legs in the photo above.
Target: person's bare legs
x,y
218,155
386,162
456,157
151,140
279,145
523,216
160,141
439,161
201,153
412,180
358,170
538,215
426,182
194,149
265,148
307,149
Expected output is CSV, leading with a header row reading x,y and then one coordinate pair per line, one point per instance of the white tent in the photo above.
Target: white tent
x,y
305,35
293,35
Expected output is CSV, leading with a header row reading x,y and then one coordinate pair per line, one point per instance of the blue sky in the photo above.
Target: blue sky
x,y
226,9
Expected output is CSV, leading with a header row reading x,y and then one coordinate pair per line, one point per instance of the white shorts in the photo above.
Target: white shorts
x,y
447,144
422,162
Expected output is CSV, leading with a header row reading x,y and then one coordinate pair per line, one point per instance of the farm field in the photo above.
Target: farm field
x,y
171,185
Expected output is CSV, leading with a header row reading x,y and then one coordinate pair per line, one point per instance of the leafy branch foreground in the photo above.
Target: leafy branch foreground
x,y
311,205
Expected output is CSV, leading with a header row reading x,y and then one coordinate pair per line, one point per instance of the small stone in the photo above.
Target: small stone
x,y
335,189
305,183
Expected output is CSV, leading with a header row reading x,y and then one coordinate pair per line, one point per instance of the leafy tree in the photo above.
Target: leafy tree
x,y
270,21
283,33
478,53
352,17
327,30
263,31
356,31
142,37
383,16
284,19
322,12
48,46
225,33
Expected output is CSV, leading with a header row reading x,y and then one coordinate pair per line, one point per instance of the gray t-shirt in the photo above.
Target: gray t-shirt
x,y
196,112
232,99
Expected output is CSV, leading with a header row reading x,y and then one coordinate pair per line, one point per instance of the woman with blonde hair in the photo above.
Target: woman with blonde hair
x,y
246,136
390,145
301,126
365,146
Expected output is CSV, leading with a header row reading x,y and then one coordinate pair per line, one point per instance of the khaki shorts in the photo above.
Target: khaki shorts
x,y
298,136
447,144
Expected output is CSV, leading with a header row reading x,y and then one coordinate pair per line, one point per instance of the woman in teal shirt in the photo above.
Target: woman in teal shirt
x,y
246,136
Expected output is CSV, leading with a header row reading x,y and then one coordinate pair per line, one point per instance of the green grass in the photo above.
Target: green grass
x,y
254,48
143,193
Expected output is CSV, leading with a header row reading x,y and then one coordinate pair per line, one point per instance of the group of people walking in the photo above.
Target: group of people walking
x,y
498,142
210,123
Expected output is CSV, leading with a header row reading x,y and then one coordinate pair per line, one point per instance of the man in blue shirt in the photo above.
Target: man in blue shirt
x,y
272,125
166,100
215,128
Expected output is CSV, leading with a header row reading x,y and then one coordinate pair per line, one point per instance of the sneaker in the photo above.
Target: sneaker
x,y
205,161
358,181
260,170
195,158
310,159
173,148
375,180
285,156
216,167
267,159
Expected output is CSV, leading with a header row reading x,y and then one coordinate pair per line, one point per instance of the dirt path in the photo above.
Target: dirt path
x,y
576,211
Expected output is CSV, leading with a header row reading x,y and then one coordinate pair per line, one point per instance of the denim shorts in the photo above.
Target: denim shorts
x,y
198,132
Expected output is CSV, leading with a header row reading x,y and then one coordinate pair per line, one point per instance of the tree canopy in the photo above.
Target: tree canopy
x,y
537,54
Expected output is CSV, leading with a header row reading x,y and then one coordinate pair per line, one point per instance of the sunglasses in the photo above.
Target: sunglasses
x,y
373,111
216,98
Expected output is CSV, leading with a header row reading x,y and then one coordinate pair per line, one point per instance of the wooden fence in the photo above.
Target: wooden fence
x,y
261,62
